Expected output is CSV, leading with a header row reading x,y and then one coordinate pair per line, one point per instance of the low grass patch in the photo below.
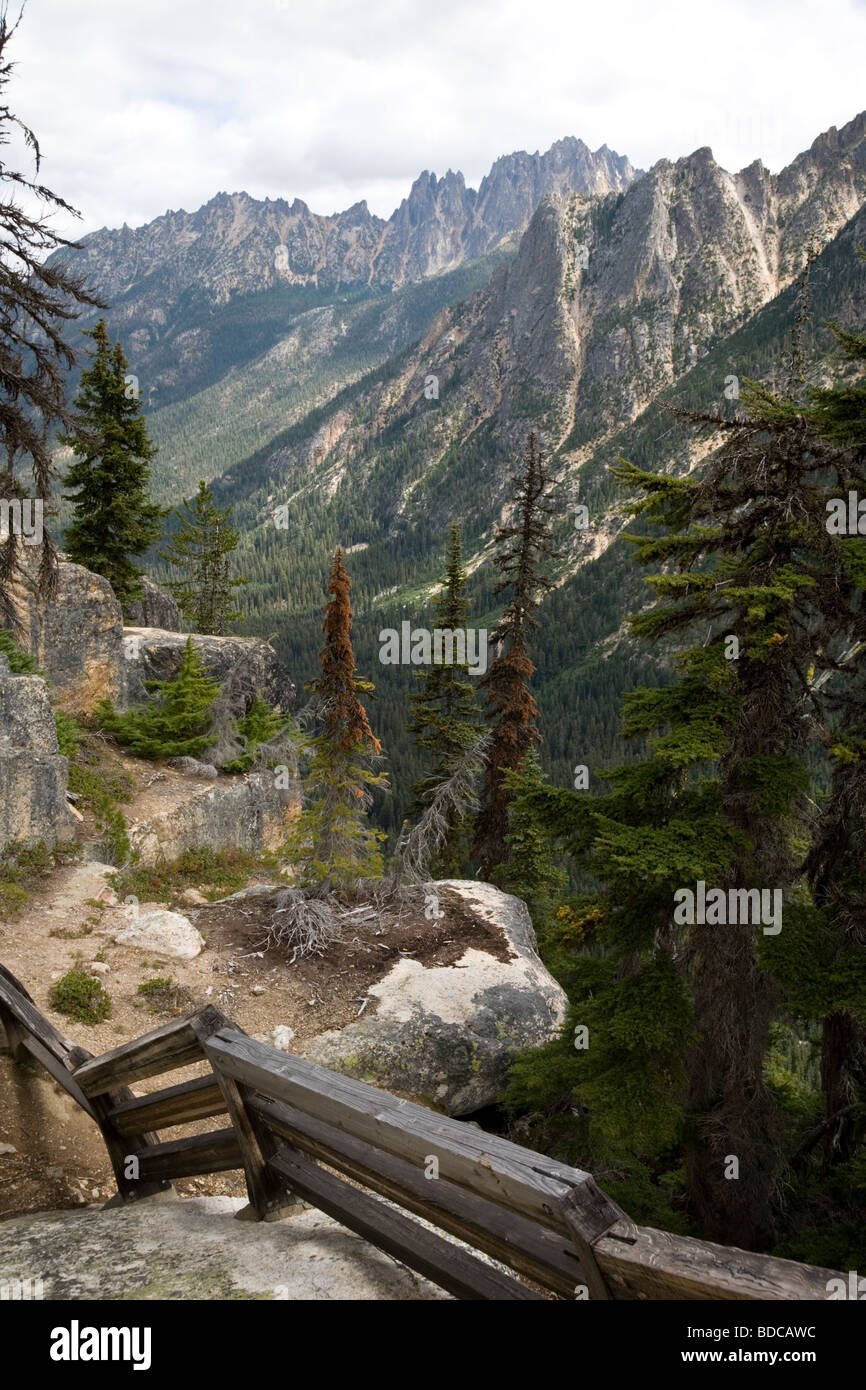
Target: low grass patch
x,y
22,869
163,996
215,873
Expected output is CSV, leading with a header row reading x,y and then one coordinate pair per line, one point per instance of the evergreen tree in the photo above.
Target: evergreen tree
x,y
261,724
753,562
525,544
837,991
332,845
445,715
200,549
761,591
40,297
177,723
112,517
530,872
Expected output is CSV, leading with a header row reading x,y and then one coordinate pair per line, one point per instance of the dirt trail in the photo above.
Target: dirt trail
x,y
69,923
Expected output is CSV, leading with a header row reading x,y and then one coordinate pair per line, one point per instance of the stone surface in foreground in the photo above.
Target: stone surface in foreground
x,y
196,1250
448,1035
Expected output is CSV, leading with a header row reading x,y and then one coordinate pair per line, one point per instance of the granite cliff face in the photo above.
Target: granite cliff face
x,y
607,302
233,244
257,311
33,774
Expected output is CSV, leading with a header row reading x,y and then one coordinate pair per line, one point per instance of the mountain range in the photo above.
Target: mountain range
x,y
376,380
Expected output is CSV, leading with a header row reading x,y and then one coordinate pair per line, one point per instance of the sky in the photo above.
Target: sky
x,y
141,106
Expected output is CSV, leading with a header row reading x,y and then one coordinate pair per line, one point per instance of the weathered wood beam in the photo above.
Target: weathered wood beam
x,y
177,1044
503,1172
176,1105
269,1200
188,1158
445,1264
544,1256
658,1265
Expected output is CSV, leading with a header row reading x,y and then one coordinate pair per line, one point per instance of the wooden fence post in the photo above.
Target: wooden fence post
x,y
269,1196
587,1212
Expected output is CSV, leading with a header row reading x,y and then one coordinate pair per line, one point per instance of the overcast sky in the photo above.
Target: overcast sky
x,y
145,105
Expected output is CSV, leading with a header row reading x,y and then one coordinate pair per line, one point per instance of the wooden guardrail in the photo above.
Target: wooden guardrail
x,y
377,1163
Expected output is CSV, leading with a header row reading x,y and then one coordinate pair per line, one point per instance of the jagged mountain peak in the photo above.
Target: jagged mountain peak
x,y
227,246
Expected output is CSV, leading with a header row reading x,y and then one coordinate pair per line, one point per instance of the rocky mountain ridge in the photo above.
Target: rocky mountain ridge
x,y
608,302
238,244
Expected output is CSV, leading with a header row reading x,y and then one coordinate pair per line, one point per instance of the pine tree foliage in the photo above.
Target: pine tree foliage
x,y
333,846
422,851
177,723
824,968
445,715
757,596
200,548
38,301
268,739
530,872
525,545
112,516
750,559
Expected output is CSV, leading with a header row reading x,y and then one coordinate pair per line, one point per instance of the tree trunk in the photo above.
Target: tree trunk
x,y
733,1111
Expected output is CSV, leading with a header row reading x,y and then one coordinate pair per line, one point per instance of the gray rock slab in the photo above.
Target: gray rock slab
x,y
448,1034
196,1250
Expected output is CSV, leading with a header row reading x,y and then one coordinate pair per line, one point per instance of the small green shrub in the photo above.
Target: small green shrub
x,y
68,735
163,996
80,997
20,664
177,722
21,869
259,725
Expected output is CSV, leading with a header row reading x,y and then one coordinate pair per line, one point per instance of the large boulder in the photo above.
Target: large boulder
x,y
76,634
33,774
155,608
162,933
447,1035
250,662
248,813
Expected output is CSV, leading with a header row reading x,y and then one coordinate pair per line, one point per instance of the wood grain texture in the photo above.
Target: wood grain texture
x,y
456,1270
497,1169
541,1255
176,1105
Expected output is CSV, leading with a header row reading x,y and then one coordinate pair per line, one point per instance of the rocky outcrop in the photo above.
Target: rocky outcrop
x,y
447,1035
195,1250
251,663
155,608
248,813
76,634
162,933
78,638
33,775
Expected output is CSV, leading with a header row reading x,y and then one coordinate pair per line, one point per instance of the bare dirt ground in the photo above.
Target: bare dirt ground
x,y
59,1158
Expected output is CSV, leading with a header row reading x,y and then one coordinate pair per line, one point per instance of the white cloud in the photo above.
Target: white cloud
x,y
152,104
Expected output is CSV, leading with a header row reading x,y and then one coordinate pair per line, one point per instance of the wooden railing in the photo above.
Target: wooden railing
x,y
376,1163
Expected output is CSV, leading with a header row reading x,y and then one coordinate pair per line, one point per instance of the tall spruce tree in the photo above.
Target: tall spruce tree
x,y
113,518
39,299
836,992
760,592
200,549
526,543
332,845
445,718
750,561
